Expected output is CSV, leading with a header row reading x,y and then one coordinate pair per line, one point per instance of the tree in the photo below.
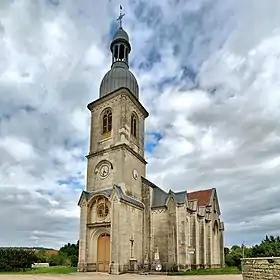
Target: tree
x,y
235,247
59,259
42,256
72,252
269,246
226,251
233,258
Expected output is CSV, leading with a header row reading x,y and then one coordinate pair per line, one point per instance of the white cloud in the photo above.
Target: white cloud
x,y
209,76
20,150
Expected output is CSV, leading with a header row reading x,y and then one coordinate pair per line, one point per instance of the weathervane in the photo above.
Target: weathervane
x,y
120,17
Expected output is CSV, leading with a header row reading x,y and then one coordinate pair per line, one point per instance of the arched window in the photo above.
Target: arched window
x,y
116,52
102,210
126,55
133,125
99,208
121,54
107,122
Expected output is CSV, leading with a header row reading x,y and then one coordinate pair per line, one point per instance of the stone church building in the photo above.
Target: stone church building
x,y
127,223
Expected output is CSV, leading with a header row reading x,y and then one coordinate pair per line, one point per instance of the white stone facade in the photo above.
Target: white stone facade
x,y
124,218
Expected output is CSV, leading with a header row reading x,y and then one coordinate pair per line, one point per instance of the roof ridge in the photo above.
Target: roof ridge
x,y
181,192
202,190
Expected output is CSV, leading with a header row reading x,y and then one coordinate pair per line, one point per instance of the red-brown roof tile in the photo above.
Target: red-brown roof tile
x,y
203,197
48,251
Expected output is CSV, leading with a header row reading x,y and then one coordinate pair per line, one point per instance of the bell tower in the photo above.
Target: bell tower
x,y
116,155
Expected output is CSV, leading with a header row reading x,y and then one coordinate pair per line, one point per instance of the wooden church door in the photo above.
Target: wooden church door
x,y
103,252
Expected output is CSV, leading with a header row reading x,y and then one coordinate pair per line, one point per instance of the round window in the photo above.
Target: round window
x,y
102,210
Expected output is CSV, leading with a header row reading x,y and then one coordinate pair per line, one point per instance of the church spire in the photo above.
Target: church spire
x,y
120,17
120,46
119,75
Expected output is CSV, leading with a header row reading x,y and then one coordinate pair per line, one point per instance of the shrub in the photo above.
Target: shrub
x,y
13,259
59,259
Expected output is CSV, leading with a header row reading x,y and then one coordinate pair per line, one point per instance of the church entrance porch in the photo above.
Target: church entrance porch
x,y
103,252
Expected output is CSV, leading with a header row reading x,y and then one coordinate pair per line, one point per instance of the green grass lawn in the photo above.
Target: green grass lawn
x,y
210,271
50,270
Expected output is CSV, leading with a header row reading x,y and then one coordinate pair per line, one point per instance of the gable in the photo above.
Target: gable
x,y
215,202
181,197
84,196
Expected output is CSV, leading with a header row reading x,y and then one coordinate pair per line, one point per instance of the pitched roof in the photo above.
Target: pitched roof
x,y
88,195
127,198
160,197
47,251
180,197
203,197
107,192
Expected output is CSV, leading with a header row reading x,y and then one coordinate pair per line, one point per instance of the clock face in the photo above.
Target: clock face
x,y
104,171
135,174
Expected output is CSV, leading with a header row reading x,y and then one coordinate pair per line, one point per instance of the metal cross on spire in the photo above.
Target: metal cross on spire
x,y
120,17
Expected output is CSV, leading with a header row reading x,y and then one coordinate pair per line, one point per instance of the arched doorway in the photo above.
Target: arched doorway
x,y
103,252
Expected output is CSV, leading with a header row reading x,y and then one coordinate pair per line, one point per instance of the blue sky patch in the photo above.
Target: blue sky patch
x,y
112,29
154,139
71,181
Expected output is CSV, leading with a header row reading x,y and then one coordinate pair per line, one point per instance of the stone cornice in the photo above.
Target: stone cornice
x,y
118,147
120,91
130,204
104,224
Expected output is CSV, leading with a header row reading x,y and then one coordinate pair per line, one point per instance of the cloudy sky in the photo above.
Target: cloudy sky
x,y
209,76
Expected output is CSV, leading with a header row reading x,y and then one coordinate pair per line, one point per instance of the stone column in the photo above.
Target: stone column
x,y
82,265
179,241
152,235
204,244
114,259
216,247
196,239
222,251
146,225
208,243
211,253
187,230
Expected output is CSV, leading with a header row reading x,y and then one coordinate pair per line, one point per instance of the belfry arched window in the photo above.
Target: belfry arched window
x,y
122,52
133,125
116,52
107,121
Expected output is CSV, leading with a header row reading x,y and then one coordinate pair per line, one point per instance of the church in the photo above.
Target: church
x,y
127,223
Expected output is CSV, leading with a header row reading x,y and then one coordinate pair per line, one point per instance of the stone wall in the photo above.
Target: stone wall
x,y
261,268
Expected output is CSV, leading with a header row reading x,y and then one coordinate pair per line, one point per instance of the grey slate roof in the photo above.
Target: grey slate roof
x,y
88,195
121,34
127,198
160,197
118,77
180,197
120,194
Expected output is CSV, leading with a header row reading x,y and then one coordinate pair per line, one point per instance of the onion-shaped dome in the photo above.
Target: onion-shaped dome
x,y
116,78
119,76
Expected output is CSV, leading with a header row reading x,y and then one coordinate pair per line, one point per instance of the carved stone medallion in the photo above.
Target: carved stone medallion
x,y
135,174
